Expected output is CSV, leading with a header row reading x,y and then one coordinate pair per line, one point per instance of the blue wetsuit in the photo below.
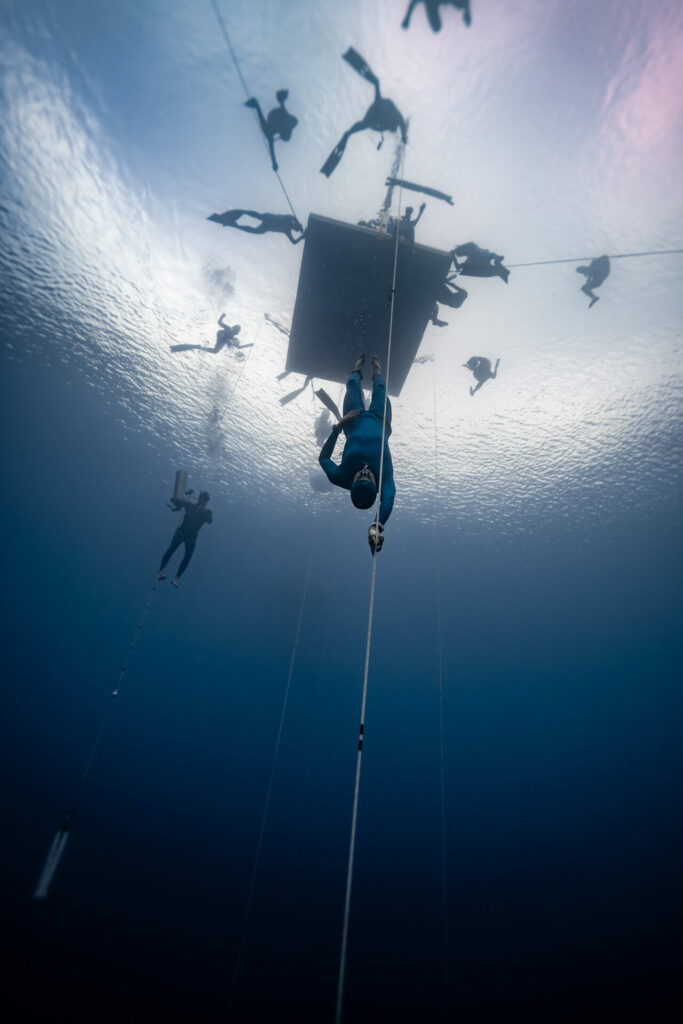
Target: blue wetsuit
x,y
363,443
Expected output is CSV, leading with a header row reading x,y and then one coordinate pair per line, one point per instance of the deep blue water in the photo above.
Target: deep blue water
x,y
543,561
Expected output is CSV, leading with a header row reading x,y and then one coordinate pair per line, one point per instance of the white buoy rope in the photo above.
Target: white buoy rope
x,y
359,755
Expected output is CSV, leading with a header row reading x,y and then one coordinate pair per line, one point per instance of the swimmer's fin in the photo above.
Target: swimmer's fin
x,y
227,219
353,58
184,348
327,401
334,158
286,399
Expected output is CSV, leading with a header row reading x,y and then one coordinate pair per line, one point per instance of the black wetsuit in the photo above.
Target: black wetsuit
x,y
193,520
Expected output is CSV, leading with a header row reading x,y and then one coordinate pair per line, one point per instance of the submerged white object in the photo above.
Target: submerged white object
x,y
180,485
52,862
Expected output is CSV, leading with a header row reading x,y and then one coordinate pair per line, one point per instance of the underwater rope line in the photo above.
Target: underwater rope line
x,y
239,375
582,259
361,730
442,760
59,842
248,94
269,790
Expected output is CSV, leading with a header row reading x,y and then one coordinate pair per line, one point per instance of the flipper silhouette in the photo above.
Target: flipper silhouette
x,y
358,64
327,401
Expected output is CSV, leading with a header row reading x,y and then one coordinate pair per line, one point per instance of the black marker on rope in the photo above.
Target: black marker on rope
x,y
59,842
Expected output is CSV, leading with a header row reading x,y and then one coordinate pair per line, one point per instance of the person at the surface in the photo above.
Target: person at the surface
x,y
358,471
479,262
226,336
481,368
195,515
381,116
406,226
278,125
285,223
432,8
595,273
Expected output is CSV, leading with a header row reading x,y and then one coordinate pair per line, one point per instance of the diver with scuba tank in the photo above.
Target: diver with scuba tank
x,y
195,515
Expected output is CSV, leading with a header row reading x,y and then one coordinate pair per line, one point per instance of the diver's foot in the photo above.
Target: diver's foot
x,y
275,167
360,362
161,575
376,366
593,301
175,582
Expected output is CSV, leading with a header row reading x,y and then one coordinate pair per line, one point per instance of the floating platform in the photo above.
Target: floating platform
x,y
343,301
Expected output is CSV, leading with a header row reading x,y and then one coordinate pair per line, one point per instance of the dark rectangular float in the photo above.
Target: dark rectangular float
x,y
343,300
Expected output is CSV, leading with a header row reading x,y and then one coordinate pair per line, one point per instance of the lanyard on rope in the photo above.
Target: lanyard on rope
x,y
359,755
59,842
239,375
243,80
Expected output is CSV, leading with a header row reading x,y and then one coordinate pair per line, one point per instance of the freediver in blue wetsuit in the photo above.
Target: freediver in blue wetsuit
x,y
358,471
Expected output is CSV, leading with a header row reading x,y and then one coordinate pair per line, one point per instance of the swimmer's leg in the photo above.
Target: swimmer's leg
x,y
254,104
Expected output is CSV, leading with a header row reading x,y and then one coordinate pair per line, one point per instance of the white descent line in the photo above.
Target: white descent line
x,y
359,756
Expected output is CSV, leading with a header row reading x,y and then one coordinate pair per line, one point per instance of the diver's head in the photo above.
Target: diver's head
x,y
364,488
203,498
236,329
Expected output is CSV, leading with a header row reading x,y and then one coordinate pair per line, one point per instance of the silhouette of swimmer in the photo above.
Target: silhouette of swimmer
x,y
449,295
406,226
196,514
278,125
479,262
226,337
358,471
595,273
285,223
481,368
432,10
381,116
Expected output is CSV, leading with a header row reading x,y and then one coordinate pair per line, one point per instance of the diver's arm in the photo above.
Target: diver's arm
x,y
181,503
406,21
331,469
388,488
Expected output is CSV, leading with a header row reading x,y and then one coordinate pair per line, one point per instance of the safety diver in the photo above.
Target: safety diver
x,y
195,515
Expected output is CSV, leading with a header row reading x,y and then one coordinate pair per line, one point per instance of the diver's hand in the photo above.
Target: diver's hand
x,y
348,418
376,538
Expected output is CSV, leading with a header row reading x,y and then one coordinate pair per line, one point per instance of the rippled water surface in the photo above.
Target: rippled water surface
x,y
535,535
